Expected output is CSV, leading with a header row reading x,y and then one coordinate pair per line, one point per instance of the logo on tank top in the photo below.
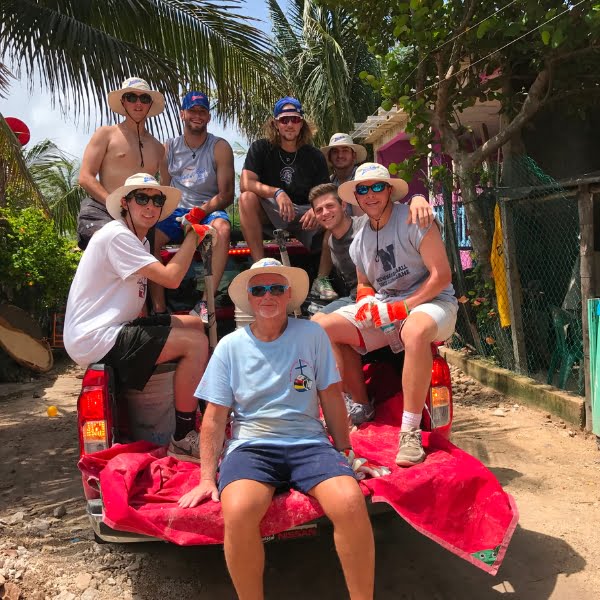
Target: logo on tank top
x,y
191,176
286,175
300,376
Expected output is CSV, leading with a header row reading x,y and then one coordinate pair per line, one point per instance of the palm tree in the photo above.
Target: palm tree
x,y
320,57
80,49
17,185
56,175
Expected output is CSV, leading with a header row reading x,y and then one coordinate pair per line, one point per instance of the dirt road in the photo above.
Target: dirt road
x,y
47,550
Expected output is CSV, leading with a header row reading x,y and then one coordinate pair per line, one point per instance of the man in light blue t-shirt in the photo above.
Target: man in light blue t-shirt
x,y
404,298
273,375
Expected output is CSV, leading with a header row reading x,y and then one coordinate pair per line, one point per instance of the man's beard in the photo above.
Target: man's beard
x,y
269,311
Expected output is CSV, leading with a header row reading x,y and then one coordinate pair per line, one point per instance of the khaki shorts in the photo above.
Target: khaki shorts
x,y
442,312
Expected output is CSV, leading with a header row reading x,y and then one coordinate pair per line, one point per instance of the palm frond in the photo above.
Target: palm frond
x,y
82,49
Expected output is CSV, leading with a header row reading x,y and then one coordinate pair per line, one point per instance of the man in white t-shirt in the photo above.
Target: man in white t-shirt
x,y
274,374
103,322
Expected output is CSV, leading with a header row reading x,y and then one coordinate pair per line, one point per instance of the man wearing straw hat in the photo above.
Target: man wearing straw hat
x,y
273,374
404,290
116,152
107,296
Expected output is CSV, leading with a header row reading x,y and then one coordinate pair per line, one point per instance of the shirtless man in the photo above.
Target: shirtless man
x,y
116,152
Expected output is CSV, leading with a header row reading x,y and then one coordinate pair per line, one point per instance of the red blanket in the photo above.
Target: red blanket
x,y
451,498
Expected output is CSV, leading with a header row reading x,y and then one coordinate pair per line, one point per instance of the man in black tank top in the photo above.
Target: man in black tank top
x,y
279,171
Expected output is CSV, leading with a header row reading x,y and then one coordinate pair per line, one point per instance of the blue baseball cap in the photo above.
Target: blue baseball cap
x,y
294,110
192,99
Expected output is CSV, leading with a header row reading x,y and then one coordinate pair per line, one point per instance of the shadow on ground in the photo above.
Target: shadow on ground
x,y
409,566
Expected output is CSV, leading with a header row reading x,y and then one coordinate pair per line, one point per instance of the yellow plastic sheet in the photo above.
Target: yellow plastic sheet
x,y
499,271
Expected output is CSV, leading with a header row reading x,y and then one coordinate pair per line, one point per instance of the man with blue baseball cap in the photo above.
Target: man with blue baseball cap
x,y
200,165
279,171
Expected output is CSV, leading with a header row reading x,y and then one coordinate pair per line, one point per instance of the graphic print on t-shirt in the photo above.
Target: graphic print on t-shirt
x,y
287,175
142,284
192,176
301,375
388,262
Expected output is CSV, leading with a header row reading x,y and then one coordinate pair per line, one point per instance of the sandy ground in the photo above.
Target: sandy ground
x,y
47,549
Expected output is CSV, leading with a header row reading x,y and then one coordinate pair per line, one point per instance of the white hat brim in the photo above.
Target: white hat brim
x,y
297,279
361,152
114,101
346,190
113,200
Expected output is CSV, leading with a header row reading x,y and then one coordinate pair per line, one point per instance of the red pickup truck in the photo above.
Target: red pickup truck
x,y
103,418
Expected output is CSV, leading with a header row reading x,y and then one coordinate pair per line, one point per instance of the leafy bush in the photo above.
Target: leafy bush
x,y
36,263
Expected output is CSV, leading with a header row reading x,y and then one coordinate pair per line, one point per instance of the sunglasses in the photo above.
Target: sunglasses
x,y
143,199
275,289
363,190
295,120
133,98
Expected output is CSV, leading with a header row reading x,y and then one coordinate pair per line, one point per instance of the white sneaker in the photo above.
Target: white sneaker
x,y
322,288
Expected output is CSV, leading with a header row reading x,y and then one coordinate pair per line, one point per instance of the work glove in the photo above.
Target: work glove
x,y
365,299
385,313
362,467
191,220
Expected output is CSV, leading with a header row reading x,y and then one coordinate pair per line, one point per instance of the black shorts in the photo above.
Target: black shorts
x,y
92,217
138,346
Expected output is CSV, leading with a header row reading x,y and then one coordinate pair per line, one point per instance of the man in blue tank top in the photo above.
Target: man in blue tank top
x,y
200,165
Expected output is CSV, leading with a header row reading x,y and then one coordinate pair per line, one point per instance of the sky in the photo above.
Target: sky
x,y
46,122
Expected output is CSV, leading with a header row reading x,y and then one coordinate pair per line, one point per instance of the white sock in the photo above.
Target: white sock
x,y
410,421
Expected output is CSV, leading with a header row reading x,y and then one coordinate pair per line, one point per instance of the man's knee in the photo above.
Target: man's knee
x,y
248,202
241,509
418,332
223,227
342,500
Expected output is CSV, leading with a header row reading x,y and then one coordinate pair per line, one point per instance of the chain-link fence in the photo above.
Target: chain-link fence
x,y
521,303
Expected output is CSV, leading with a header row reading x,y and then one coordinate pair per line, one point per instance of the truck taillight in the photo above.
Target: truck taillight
x,y
440,394
93,412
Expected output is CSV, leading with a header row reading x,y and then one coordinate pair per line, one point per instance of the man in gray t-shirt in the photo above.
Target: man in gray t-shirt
x,y
332,216
404,298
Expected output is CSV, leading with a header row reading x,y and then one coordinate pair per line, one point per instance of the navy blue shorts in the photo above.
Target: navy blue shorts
x,y
300,467
172,228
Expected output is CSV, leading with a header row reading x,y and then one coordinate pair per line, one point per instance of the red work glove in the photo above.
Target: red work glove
x,y
365,298
195,216
385,313
202,231
362,467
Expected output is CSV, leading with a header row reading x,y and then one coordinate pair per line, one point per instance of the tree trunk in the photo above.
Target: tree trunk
x,y
478,228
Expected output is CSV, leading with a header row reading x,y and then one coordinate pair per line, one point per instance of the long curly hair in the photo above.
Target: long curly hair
x,y
271,132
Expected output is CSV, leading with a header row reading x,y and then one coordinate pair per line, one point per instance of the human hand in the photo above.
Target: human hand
x,y
207,488
362,467
286,206
363,315
420,212
194,217
385,313
202,231
308,220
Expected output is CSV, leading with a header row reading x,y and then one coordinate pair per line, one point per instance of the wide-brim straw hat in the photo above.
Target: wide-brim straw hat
x,y
135,84
141,181
372,172
343,139
297,279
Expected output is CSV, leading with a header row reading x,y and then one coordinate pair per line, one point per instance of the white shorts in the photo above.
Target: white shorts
x,y
441,311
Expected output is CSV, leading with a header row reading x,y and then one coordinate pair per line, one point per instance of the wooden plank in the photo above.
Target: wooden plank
x,y
585,204
515,296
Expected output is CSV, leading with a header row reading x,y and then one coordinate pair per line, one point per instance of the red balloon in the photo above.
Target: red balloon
x,y
19,129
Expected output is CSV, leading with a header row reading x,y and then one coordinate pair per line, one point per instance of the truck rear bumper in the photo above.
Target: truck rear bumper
x,y
113,536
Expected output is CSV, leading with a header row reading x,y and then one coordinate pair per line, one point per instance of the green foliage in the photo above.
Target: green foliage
x,y
36,264
324,64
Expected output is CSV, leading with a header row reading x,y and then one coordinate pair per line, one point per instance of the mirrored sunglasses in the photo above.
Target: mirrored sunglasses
x,y
363,190
133,98
293,119
275,289
142,199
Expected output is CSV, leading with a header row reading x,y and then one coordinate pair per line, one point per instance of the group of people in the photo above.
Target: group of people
x,y
272,377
